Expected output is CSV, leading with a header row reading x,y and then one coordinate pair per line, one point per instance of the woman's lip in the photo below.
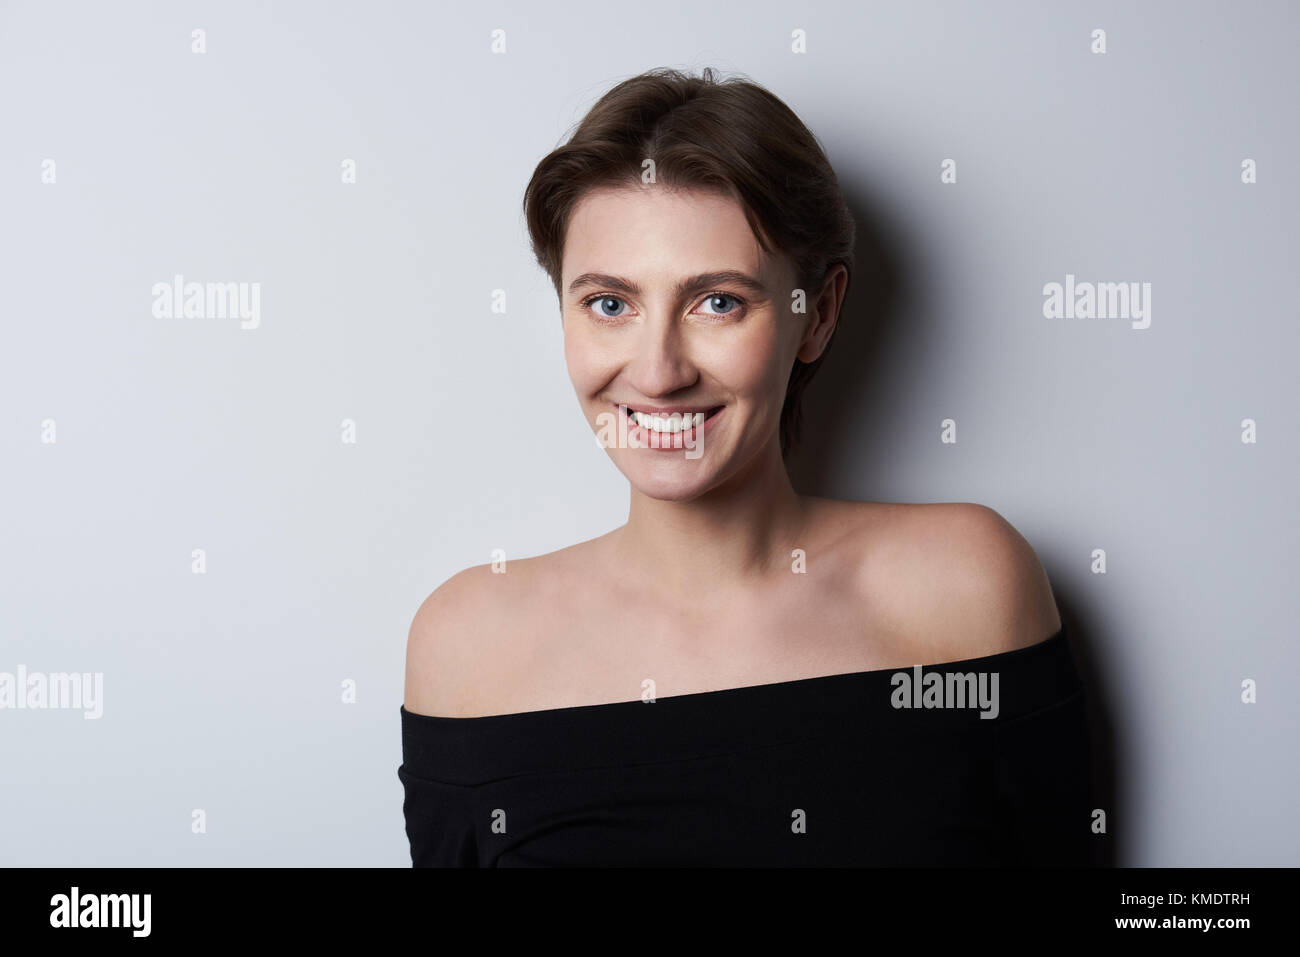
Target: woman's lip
x,y
649,410
647,438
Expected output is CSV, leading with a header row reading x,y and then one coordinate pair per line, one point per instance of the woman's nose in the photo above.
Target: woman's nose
x,y
660,362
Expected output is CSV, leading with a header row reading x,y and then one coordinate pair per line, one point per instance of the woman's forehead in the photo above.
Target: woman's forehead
x,y
655,230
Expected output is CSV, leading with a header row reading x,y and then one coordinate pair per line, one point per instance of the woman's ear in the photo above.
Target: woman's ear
x,y
823,315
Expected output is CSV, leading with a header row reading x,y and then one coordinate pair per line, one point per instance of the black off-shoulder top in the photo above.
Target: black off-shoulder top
x,y
980,762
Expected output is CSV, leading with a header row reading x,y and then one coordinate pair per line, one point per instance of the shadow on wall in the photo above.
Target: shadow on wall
x,y
836,415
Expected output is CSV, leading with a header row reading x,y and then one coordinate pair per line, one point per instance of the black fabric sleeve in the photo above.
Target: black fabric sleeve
x,y
439,822
1044,785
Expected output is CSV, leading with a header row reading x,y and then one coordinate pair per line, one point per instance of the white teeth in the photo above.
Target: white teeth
x,y
676,422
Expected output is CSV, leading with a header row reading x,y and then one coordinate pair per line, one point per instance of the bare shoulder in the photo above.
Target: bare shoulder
x,y
479,630
959,581
461,634
441,639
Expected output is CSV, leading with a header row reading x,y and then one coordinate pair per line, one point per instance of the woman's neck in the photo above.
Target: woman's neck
x,y
736,534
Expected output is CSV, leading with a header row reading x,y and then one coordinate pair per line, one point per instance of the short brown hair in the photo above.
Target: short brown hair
x,y
730,136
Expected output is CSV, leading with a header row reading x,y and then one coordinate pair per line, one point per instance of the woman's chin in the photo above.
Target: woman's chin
x,y
661,483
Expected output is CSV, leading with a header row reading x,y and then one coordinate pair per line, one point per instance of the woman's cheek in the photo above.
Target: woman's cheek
x,y
589,369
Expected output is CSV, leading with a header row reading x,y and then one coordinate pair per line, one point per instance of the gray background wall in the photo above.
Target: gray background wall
x,y
222,691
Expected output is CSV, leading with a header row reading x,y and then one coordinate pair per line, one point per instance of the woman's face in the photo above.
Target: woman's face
x,y
649,324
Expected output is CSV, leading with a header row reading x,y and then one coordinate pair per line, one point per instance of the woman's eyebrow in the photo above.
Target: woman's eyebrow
x,y
699,283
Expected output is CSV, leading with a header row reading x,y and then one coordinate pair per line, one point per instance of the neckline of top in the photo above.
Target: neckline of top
x,y
1053,645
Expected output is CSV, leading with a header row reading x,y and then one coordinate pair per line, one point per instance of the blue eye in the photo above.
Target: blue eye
x,y
606,301
721,295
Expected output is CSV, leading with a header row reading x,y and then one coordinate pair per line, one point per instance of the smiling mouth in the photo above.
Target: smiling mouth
x,y
669,424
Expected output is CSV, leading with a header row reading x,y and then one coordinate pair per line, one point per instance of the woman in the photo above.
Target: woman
x,y
729,678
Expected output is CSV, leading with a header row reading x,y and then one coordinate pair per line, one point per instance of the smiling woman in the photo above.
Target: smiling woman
x,y
664,133
717,680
